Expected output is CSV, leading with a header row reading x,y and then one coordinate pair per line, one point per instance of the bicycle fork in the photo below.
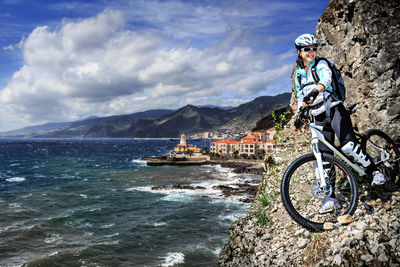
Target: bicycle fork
x,y
318,167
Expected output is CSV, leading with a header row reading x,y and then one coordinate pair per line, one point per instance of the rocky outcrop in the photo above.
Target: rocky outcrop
x,y
372,239
177,187
238,166
362,37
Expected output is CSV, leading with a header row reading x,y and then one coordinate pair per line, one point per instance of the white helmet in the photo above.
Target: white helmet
x,y
305,40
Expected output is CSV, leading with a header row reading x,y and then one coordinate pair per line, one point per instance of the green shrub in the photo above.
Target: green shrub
x,y
262,218
263,199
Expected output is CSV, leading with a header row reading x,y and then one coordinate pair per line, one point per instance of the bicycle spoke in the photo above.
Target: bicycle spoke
x,y
380,147
305,197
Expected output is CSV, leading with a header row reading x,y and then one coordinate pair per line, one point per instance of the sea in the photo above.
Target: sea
x,y
89,202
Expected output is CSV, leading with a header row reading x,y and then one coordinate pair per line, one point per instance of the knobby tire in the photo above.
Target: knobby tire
x,y
292,203
381,139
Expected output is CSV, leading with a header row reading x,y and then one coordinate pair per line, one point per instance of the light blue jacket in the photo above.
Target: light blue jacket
x,y
305,83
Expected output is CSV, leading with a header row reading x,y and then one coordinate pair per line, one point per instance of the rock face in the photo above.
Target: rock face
x,y
363,39
371,239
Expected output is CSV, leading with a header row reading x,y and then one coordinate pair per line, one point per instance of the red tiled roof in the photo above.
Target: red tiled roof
x,y
221,141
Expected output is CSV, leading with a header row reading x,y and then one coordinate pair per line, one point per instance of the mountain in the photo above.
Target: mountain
x,y
160,123
212,106
79,128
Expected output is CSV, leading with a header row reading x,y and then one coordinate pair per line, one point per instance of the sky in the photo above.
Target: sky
x,y
69,60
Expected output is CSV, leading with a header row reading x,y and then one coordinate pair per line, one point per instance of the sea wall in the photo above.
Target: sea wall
x,y
362,36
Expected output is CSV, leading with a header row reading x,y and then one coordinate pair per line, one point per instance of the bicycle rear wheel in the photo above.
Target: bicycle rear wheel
x,y
385,154
303,198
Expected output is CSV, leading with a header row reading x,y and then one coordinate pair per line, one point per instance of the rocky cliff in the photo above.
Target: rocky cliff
x,y
372,239
363,39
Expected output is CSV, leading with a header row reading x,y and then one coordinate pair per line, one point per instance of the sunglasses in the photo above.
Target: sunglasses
x,y
308,49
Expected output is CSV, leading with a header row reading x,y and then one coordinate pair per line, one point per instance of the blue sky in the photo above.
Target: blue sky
x,y
67,60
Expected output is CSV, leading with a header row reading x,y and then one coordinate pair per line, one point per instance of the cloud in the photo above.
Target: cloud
x,y
103,66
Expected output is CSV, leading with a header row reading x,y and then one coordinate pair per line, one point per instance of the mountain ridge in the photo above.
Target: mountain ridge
x,y
158,123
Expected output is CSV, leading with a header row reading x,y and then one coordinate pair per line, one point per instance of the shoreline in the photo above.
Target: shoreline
x,y
245,189
238,165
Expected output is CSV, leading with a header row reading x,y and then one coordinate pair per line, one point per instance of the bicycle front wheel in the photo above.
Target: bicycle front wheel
x,y
303,197
385,154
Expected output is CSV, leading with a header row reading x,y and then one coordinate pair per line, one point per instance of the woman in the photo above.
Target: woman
x,y
313,94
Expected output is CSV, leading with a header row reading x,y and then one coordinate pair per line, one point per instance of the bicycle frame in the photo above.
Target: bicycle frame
x,y
319,171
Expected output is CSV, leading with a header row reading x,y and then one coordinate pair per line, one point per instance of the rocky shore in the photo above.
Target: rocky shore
x,y
240,166
246,190
372,239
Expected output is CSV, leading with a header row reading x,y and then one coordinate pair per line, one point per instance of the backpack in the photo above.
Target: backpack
x,y
337,84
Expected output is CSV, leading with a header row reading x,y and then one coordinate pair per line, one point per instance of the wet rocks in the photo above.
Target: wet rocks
x,y
244,189
239,166
177,187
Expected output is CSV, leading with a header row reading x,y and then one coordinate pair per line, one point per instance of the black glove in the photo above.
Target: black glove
x,y
298,123
311,96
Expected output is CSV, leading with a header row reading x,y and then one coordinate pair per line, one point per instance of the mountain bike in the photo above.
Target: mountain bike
x,y
314,177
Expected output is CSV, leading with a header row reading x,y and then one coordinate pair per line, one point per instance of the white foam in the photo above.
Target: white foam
x,y
106,226
53,238
15,179
219,176
142,189
173,258
216,251
187,194
52,254
159,224
112,235
139,162
177,196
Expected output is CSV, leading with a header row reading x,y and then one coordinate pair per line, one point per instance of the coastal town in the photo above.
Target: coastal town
x,y
253,144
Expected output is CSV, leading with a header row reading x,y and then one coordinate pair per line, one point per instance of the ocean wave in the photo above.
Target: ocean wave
x,y
52,238
141,189
230,218
112,235
139,162
159,224
173,258
209,189
106,226
177,196
15,179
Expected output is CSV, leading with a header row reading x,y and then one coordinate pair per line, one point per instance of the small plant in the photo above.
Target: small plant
x,y
263,199
262,218
305,143
278,124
